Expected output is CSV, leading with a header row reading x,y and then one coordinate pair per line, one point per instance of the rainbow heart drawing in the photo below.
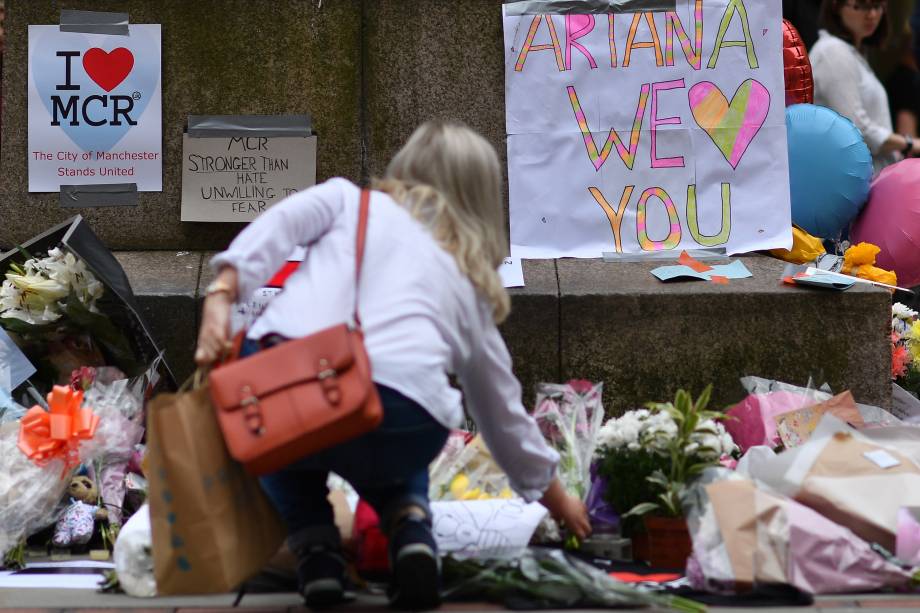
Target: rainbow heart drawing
x,y
733,125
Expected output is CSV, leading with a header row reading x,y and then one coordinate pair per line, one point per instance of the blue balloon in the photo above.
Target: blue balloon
x,y
830,169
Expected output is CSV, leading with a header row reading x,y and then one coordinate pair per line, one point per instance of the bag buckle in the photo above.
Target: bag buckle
x,y
329,382
252,411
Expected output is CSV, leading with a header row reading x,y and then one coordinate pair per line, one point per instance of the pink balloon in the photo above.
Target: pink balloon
x,y
891,220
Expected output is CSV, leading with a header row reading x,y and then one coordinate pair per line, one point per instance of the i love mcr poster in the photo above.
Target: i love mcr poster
x,y
95,111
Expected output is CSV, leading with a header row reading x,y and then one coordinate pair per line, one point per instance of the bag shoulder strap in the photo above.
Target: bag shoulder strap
x,y
363,213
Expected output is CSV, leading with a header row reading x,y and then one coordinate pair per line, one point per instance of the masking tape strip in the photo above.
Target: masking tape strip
x,y
235,126
102,194
586,7
94,22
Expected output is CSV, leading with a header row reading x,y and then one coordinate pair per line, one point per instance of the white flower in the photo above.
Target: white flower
x,y
31,297
900,311
623,432
728,444
655,432
34,291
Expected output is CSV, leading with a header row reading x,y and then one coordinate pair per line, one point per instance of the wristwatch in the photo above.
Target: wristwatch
x,y
218,286
909,147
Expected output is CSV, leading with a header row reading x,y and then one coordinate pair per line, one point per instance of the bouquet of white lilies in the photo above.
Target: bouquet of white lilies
x,y
36,291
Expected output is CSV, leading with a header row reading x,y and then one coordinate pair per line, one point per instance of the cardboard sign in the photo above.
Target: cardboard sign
x,y
95,113
236,179
647,131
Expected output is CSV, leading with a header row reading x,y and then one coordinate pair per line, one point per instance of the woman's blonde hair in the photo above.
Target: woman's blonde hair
x,y
449,179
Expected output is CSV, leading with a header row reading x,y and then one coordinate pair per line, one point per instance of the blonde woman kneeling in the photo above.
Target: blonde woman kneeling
x,y
429,302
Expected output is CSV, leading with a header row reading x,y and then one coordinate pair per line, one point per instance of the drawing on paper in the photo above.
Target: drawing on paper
x,y
650,131
731,125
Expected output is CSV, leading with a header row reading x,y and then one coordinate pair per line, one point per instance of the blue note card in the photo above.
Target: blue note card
x,y
735,270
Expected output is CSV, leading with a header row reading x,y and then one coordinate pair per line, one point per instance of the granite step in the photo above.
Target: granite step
x,y
616,323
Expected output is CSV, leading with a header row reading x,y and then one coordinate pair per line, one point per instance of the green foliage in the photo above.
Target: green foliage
x,y
626,473
103,332
548,578
648,482
910,381
15,558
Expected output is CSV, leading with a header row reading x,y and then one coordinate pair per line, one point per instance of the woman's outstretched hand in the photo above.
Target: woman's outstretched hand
x,y
567,509
214,334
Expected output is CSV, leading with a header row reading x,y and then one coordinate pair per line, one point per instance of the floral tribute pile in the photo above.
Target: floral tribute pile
x,y
905,347
76,368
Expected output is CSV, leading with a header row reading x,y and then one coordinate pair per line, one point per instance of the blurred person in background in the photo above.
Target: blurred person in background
x,y
915,28
846,83
803,14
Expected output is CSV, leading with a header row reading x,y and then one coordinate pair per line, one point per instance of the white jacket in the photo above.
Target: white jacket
x,y
422,318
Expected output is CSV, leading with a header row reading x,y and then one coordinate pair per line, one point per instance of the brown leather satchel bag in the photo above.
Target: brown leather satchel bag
x,y
302,396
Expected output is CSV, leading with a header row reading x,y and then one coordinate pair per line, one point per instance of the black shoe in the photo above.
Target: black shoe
x,y
321,574
415,583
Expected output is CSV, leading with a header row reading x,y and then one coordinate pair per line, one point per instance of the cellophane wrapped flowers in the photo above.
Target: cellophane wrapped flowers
x,y
570,416
36,291
905,347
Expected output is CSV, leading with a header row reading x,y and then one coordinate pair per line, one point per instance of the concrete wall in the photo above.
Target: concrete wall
x,y
616,323
219,57
368,71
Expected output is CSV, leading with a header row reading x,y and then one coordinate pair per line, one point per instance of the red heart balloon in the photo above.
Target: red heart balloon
x,y
800,85
108,69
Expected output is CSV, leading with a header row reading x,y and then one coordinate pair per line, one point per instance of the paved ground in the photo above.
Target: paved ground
x,y
46,601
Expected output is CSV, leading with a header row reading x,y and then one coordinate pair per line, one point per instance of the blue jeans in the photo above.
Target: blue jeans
x,y
388,467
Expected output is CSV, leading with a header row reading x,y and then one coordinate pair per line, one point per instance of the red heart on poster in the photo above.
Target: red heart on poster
x,y
108,69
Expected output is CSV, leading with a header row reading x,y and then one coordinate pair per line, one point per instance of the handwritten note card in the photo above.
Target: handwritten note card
x,y
512,272
236,179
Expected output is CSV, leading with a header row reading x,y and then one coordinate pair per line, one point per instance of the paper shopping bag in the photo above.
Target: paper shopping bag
x,y
213,527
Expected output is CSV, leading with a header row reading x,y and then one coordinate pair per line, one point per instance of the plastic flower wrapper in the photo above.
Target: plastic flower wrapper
x,y
570,417
548,579
859,261
120,405
133,556
467,473
753,420
34,291
805,248
53,307
745,536
30,495
444,467
859,479
10,410
603,517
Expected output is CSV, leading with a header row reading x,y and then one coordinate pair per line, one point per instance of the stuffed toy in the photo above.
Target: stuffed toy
x,y
76,526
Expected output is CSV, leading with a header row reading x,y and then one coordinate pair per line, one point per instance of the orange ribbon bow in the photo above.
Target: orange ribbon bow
x,y
47,435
